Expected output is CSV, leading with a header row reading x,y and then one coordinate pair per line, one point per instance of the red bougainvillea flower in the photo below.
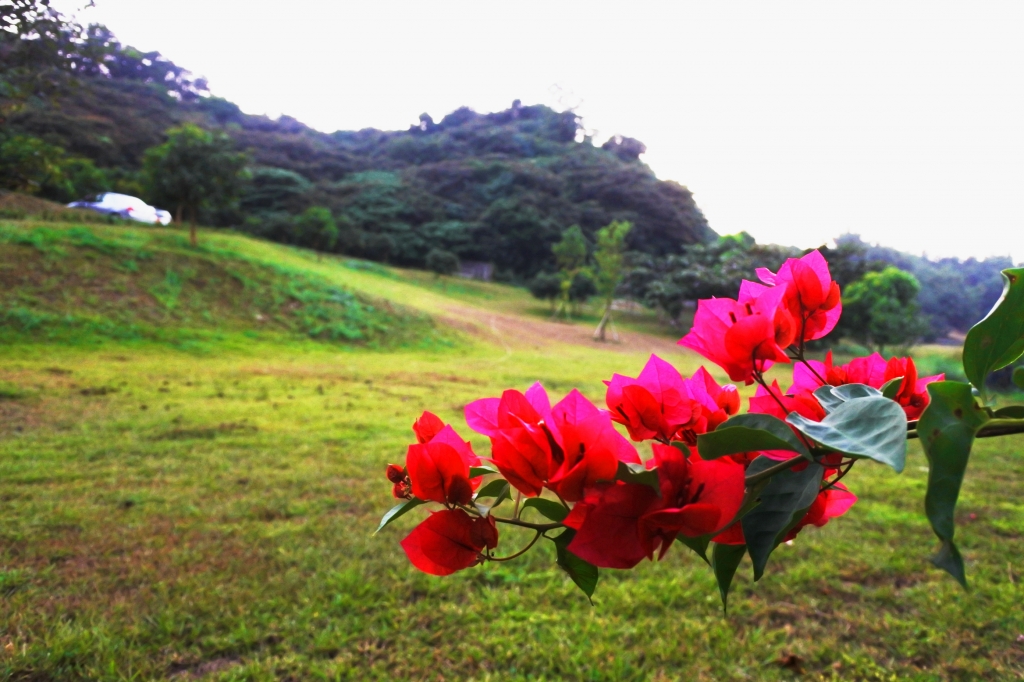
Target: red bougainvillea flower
x,y
812,296
564,448
742,337
873,371
718,402
520,446
426,427
590,448
402,487
654,405
439,469
449,540
830,503
619,524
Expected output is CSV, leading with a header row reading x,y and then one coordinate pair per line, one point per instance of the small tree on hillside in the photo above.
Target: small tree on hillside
x,y
315,228
194,170
571,255
547,286
441,262
881,310
609,261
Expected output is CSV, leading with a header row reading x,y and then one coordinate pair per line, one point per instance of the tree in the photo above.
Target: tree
x,y
609,266
315,228
571,255
442,262
547,286
27,164
881,310
194,170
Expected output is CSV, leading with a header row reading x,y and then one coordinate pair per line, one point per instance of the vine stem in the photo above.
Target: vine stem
x,y
521,552
772,470
996,427
539,527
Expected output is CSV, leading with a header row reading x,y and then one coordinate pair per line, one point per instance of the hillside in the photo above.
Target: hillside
x,y
77,283
497,187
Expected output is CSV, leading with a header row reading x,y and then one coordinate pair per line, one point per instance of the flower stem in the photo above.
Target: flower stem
x,y
539,527
772,470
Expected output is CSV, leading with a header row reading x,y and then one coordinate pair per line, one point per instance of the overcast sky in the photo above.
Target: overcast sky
x,y
794,121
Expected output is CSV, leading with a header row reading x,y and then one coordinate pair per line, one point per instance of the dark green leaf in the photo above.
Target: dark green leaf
x,y
998,340
481,471
548,509
947,428
1010,412
787,494
949,560
583,573
1018,377
698,545
892,387
638,474
682,447
725,559
873,427
396,511
498,489
749,433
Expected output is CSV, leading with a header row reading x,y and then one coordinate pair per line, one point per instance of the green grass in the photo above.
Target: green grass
x,y
172,514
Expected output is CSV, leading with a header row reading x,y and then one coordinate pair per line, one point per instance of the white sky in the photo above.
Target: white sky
x,y
794,121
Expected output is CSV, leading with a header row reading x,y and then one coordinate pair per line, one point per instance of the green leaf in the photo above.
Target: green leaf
x,y
892,387
498,489
997,340
946,429
725,559
787,494
1010,412
749,433
831,397
848,392
547,508
481,471
698,545
398,510
583,573
873,427
638,474
1018,377
827,399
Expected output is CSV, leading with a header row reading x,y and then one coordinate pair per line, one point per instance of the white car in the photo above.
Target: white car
x,y
124,206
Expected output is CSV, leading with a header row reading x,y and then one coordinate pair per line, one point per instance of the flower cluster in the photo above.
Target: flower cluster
x,y
610,506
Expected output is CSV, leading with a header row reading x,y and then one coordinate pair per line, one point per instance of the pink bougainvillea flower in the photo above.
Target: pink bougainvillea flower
x,y
449,540
402,487
619,524
874,371
812,296
590,448
718,403
439,469
564,448
773,402
742,337
654,405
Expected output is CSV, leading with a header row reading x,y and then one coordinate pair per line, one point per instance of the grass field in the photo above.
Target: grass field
x,y
195,499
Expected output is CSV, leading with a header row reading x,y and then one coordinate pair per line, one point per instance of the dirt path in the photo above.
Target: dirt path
x,y
521,332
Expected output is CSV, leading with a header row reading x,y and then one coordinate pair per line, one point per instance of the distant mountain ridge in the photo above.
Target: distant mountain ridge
x,y
498,187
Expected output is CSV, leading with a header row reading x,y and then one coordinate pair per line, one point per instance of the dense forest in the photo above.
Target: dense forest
x,y
497,187
82,113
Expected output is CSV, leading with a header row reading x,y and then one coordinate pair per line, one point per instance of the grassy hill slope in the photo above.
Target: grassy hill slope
x,y
73,282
